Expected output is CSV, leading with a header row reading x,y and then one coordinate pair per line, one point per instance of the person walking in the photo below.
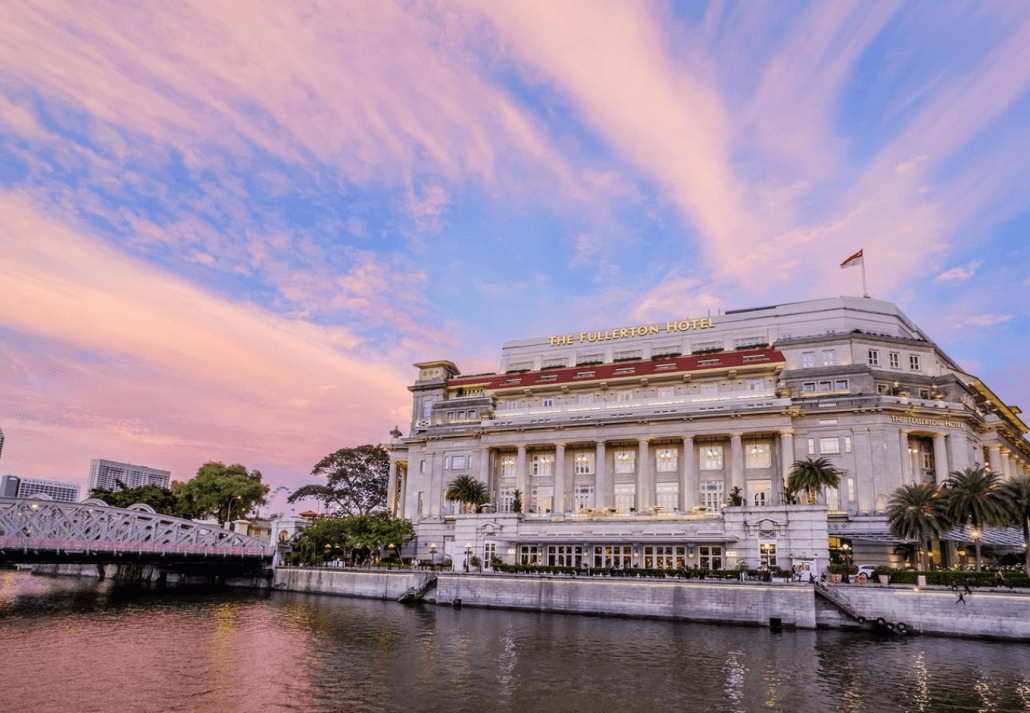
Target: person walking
x,y
961,598
999,579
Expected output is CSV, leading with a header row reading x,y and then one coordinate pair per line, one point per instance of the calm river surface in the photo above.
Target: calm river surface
x,y
73,645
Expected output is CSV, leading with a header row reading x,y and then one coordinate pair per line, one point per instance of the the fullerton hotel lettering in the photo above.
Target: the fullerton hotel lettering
x,y
684,325
917,421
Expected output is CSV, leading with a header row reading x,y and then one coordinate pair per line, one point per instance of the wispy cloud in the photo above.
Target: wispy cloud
x,y
987,320
959,274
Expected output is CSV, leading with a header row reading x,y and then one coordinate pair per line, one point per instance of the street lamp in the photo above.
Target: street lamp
x,y
432,552
468,554
228,514
976,544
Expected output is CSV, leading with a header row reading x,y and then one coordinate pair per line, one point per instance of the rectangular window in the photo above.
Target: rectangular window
x,y
825,385
761,490
613,556
421,466
758,455
807,360
472,415
541,464
851,490
811,446
666,393
584,463
711,458
767,554
547,402
489,553
446,462
808,387
565,556
754,385
829,357
529,554
924,393
625,497
625,461
626,395
894,360
586,399
709,389
668,496
840,385
874,357
509,466
541,499
450,415
883,388
458,463
507,499
710,556
512,405
829,446
666,460
711,494
421,502
584,497
913,362
427,409
847,444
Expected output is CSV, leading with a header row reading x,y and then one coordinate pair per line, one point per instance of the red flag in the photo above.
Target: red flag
x,y
855,259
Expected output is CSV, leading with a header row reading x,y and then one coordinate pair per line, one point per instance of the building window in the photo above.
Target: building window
x,y
586,399
709,389
924,393
895,362
711,458
847,444
711,494
666,460
826,386
808,387
829,357
512,405
565,556
472,415
811,446
529,554
874,357
767,554
761,490
542,464
613,556
883,388
421,466
489,553
542,499
666,393
840,385
547,402
507,499
625,497
829,446
626,395
668,496
584,463
421,502
754,385
758,455
457,463
807,360
509,466
584,497
710,557
625,461
913,362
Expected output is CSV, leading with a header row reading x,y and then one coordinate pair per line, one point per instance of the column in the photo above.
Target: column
x,y
521,480
906,460
560,506
391,490
688,483
1006,464
643,494
737,464
402,490
786,464
994,458
600,479
484,474
940,458
958,451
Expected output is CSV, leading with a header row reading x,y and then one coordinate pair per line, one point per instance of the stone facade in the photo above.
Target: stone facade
x,y
628,444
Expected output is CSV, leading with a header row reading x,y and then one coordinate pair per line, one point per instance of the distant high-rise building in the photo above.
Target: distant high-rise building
x,y
12,486
1,442
106,474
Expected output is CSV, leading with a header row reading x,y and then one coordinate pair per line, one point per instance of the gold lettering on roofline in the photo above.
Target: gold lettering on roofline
x,y
683,325
920,421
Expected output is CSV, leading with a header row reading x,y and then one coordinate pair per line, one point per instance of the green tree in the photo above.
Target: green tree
x,y
163,500
356,480
468,491
736,498
974,497
221,491
918,512
516,503
1016,494
812,475
356,538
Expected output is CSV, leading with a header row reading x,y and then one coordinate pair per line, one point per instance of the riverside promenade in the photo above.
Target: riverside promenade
x,y
988,612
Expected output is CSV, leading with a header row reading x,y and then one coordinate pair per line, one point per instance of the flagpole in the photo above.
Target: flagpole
x,y
865,290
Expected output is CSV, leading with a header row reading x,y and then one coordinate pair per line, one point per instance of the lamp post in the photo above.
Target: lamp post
x,y
468,554
432,554
976,544
228,514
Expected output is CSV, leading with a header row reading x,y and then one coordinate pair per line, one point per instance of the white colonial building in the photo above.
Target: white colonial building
x,y
626,444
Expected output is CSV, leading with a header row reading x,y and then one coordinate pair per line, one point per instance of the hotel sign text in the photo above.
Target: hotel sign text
x,y
684,325
918,421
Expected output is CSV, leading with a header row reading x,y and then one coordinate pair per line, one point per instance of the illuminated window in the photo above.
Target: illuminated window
x,y
711,458
760,490
758,455
829,357
542,464
767,553
666,460
830,446
509,466
807,360
712,494
625,497
584,463
710,557
668,496
625,461
584,497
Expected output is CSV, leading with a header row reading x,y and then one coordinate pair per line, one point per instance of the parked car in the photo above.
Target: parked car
x,y
867,569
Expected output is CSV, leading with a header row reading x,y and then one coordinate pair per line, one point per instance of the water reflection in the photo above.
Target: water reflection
x,y
86,646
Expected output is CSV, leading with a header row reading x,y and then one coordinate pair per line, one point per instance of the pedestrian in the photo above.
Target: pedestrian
x,y
961,598
965,583
999,579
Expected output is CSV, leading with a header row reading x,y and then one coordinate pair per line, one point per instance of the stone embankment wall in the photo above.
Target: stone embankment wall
x,y
372,584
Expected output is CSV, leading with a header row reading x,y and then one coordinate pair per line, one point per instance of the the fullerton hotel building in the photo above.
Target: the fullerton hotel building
x,y
627,444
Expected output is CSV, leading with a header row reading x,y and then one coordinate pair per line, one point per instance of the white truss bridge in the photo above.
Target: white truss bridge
x,y
39,530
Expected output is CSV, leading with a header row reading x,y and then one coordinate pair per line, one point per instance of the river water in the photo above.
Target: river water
x,y
72,645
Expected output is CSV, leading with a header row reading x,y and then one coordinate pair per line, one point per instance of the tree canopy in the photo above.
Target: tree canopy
x,y
974,496
1017,500
918,512
812,475
356,480
470,492
356,538
163,500
222,491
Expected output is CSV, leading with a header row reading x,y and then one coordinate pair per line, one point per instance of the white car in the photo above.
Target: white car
x,y
867,569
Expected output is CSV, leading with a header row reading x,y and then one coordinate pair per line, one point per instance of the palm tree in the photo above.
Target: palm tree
x,y
973,496
1016,494
918,512
812,476
468,491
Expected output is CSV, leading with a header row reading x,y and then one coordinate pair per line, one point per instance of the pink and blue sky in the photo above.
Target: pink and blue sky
x,y
227,229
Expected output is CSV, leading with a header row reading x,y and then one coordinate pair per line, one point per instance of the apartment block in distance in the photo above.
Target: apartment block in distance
x,y
106,474
12,486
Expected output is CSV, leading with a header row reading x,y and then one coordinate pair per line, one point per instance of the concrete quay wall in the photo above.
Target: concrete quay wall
x,y
371,584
